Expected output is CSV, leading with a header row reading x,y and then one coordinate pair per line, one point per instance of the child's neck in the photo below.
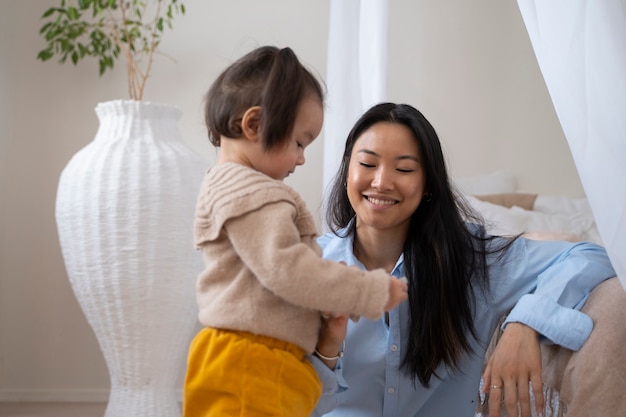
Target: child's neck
x,y
234,150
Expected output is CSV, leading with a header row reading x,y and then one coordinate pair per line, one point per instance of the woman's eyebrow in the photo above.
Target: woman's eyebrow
x,y
367,151
399,158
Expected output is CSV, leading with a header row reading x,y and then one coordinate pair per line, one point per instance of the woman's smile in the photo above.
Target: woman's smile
x,y
380,201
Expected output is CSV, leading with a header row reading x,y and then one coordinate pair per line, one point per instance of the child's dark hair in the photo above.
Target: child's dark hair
x,y
269,77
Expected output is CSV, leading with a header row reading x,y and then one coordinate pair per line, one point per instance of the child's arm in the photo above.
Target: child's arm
x,y
269,243
398,292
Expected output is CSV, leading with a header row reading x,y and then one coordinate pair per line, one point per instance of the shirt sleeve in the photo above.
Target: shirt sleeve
x,y
556,279
333,383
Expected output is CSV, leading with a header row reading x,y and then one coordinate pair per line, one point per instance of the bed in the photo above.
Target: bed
x,y
591,381
508,211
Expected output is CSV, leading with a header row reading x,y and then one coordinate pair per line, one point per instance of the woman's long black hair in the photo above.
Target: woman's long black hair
x,y
443,259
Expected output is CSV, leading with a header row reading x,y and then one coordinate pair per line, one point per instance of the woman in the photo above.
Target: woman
x,y
391,206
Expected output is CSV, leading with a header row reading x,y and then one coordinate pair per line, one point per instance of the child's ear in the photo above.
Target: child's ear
x,y
251,123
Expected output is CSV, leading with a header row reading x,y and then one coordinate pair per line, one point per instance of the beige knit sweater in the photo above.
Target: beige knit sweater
x,y
264,273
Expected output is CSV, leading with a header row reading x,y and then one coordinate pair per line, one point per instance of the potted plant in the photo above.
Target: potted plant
x,y
124,208
132,29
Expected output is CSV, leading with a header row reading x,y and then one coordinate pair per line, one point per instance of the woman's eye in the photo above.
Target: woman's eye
x,y
405,170
366,165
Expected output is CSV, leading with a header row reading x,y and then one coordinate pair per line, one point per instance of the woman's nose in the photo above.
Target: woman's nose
x,y
381,180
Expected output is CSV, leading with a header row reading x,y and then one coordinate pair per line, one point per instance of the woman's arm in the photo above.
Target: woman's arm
x,y
547,283
557,278
332,335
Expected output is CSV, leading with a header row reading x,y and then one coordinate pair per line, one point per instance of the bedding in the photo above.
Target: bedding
x,y
550,217
508,200
509,211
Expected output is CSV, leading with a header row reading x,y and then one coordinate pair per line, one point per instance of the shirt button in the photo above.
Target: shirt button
x,y
391,390
394,348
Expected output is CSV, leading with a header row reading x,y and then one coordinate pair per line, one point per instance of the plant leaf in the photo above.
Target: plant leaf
x,y
45,54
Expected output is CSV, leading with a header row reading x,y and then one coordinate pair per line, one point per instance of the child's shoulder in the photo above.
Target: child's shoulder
x,y
237,188
231,177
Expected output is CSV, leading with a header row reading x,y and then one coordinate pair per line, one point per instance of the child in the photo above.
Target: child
x,y
265,283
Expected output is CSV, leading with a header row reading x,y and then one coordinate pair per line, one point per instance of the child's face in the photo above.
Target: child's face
x,y
282,161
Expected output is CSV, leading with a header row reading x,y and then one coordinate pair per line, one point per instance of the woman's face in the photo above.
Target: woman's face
x,y
385,180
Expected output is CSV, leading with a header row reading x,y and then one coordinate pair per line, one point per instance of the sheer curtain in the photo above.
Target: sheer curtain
x,y
357,71
580,46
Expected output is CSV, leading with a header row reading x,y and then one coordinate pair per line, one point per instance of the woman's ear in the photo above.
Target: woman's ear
x,y
251,123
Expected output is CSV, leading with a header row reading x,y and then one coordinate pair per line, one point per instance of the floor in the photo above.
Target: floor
x,y
17,409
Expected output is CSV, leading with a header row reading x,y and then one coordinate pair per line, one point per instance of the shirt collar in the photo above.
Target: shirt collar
x,y
340,248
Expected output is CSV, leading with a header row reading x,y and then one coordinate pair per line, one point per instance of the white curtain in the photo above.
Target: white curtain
x,y
580,46
357,71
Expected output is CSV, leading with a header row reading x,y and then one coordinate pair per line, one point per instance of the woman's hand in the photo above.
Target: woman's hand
x,y
515,362
331,336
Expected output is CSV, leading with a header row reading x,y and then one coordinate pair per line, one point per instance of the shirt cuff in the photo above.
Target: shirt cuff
x,y
333,383
560,325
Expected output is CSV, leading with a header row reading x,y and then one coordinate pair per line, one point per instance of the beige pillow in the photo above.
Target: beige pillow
x,y
523,200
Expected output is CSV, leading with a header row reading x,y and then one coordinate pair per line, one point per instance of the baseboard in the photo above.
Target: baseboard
x,y
69,395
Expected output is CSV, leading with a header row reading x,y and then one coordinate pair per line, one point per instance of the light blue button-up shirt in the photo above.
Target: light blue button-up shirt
x,y
545,283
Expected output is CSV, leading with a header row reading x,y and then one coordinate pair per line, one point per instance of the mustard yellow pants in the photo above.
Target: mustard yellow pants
x,y
233,373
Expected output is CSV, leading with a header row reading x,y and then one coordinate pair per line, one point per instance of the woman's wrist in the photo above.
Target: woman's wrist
x,y
323,353
334,357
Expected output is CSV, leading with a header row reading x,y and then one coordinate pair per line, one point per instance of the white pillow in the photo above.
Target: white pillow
x,y
562,204
510,221
494,183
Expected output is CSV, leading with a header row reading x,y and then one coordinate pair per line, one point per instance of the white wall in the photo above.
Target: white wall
x,y
469,67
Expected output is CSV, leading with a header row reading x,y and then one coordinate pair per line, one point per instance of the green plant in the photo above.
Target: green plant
x,y
114,28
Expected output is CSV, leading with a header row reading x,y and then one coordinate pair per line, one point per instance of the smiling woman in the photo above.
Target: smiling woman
x,y
392,207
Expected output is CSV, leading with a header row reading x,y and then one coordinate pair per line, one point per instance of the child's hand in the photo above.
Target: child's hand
x,y
398,292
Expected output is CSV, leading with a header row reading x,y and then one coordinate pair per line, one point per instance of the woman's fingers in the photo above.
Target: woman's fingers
x,y
515,362
495,399
523,396
537,387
